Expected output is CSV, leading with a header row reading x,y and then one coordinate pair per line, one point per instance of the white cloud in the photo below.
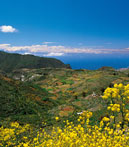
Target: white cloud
x,y
7,29
4,46
60,50
26,53
48,42
53,54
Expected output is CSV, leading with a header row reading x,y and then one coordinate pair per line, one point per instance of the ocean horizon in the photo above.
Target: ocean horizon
x,y
93,63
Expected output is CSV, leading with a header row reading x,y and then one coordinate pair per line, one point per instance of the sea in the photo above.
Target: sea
x,y
93,62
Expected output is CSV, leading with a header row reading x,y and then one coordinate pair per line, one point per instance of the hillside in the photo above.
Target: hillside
x,y
63,92
24,102
48,102
9,62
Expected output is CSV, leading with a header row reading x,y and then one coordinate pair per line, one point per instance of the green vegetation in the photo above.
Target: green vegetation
x,y
39,95
9,62
24,102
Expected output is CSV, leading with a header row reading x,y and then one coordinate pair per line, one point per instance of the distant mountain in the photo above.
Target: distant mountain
x,y
10,62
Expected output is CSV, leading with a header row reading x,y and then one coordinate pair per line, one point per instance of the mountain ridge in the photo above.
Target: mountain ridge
x,y
12,61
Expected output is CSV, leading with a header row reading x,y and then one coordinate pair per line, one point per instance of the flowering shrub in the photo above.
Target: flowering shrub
x,y
118,98
15,135
109,133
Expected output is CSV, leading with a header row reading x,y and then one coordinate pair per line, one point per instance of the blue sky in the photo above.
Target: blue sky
x,y
65,27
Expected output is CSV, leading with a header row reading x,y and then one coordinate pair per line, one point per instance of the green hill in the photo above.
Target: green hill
x,y
10,62
24,102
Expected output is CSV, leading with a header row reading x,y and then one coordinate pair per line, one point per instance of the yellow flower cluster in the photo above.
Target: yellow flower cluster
x,y
111,93
127,117
9,136
118,97
78,136
103,122
14,124
117,91
114,107
70,136
106,119
86,114
119,86
84,117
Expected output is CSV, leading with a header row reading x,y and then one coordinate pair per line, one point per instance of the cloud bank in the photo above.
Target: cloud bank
x,y
60,50
7,29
